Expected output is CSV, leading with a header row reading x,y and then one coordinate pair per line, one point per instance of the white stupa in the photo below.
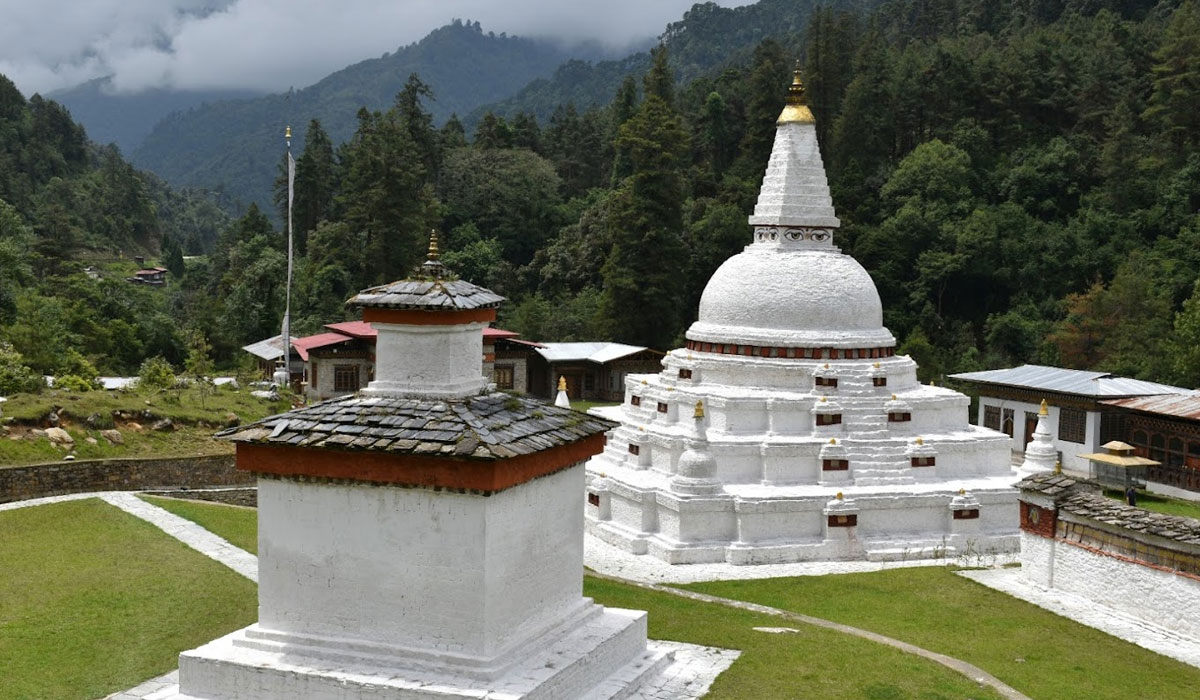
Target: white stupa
x,y
1040,453
816,441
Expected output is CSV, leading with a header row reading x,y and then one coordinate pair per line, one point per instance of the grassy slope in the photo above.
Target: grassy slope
x,y
1160,504
238,525
187,408
1037,652
93,601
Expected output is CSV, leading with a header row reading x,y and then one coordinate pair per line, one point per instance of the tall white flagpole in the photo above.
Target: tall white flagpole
x,y
287,313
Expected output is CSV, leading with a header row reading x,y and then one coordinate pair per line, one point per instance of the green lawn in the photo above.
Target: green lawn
x,y
236,524
94,601
583,406
1160,504
1037,652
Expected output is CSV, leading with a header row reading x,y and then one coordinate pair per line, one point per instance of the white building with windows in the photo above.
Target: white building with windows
x,y
788,429
1080,422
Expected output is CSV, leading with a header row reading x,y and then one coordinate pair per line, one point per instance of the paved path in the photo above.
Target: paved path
x,y
1087,612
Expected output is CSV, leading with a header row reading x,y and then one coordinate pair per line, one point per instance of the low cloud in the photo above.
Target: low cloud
x,y
272,45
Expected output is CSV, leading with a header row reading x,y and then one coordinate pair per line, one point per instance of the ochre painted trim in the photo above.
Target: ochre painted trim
x,y
488,476
408,317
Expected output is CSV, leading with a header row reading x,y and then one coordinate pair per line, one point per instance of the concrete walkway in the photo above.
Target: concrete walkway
x,y
1087,612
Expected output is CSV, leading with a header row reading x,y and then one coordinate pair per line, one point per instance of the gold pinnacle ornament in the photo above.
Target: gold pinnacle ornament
x,y
562,383
1043,411
699,412
795,110
434,254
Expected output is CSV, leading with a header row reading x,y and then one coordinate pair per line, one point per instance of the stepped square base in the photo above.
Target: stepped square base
x,y
603,659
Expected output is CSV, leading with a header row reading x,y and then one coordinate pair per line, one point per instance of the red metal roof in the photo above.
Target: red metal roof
x,y
494,333
1179,405
356,329
320,340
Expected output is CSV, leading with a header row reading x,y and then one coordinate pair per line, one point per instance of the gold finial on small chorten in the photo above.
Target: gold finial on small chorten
x,y
840,497
287,132
795,110
434,254
832,441
699,412
1044,410
1058,466
962,492
562,383
920,441
875,365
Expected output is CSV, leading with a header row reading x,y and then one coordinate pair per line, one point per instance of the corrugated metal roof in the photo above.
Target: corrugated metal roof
x,y
1179,405
1068,381
358,329
269,349
596,351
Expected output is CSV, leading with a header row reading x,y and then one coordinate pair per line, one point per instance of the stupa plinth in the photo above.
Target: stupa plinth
x,y
805,398
423,539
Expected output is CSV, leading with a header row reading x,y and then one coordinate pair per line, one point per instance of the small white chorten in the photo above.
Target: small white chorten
x,y
1040,453
423,539
562,400
804,398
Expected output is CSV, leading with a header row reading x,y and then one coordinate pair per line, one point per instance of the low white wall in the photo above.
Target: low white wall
x,y
1161,597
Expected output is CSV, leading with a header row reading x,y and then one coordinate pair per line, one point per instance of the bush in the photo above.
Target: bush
x,y
156,374
15,376
74,382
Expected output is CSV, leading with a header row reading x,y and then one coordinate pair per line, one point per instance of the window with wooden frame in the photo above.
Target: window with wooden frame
x,y
899,417
966,514
835,465
879,381
829,418
1072,425
1008,424
991,417
312,374
635,400
634,449
662,407
503,376
345,377
843,520
685,373
923,461
826,381
593,499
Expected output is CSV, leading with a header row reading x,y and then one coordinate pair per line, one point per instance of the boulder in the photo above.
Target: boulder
x,y
165,425
91,440
136,427
35,433
113,437
232,420
58,436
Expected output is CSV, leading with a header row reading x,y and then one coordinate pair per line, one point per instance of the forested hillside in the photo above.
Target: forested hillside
x,y
1022,182
234,145
66,203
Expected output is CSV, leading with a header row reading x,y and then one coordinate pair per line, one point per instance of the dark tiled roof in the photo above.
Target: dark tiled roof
x,y
427,294
1052,484
486,427
1114,512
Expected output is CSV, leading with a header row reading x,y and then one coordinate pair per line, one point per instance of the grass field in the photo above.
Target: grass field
x,y
1040,654
94,601
1160,504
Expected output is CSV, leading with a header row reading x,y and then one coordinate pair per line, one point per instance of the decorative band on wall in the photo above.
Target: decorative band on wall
x,y
409,317
790,352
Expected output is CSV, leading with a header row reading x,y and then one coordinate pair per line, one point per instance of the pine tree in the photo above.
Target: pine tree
x,y
1175,101
316,184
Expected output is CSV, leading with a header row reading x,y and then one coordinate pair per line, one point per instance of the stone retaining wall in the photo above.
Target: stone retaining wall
x,y
57,478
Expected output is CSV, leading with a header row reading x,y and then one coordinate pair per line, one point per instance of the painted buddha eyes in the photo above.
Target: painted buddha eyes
x,y
771,233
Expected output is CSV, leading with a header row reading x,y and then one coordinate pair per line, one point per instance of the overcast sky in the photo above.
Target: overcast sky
x,y
273,44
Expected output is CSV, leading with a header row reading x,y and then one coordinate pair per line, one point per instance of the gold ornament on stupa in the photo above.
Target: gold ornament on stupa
x,y
795,110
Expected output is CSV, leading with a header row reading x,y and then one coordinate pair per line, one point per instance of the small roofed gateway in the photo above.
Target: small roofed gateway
x,y
153,276
1117,466
423,538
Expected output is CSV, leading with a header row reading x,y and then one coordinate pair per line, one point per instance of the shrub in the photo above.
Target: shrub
x,y
156,374
74,382
15,376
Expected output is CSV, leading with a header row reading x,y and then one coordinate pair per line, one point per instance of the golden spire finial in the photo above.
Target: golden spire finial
x,y
920,441
433,245
1043,411
840,496
893,397
699,412
287,132
832,441
1058,466
562,383
962,492
795,110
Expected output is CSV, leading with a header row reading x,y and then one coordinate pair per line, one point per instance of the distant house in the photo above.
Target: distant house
x,y
1080,403
1165,429
154,276
595,371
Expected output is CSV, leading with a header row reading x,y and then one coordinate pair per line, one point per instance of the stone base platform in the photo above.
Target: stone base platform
x,y
604,659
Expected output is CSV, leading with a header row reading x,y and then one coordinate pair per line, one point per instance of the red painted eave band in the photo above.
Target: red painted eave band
x,y
407,317
413,470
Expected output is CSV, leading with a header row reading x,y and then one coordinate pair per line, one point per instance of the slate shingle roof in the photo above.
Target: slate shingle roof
x,y
1051,484
1080,497
486,427
427,294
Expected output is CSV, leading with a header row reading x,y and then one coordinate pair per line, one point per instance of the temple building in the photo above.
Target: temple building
x,y
788,429
422,538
